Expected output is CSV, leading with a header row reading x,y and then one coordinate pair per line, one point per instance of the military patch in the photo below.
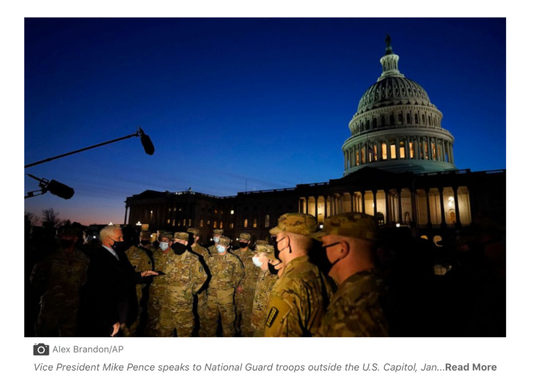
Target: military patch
x,y
271,317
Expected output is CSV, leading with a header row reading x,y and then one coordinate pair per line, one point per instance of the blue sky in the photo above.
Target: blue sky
x,y
237,104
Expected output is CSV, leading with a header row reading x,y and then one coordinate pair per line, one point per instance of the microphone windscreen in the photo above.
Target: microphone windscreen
x,y
61,190
147,144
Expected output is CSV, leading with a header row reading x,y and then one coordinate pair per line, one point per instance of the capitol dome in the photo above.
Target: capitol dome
x,y
396,127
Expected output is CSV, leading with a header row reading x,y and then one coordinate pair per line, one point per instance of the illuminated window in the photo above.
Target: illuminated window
x,y
245,223
411,150
232,212
231,226
375,153
168,222
356,158
392,151
184,222
267,220
384,151
255,224
362,155
434,156
215,224
221,224
208,222
189,223
401,149
202,223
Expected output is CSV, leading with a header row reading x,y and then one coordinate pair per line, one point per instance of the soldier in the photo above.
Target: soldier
x,y
184,277
157,289
244,297
204,255
59,278
300,297
349,240
141,260
216,238
264,284
227,273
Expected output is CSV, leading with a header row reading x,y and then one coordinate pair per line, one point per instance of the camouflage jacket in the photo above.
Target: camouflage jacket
x,y
227,273
251,271
355,309
60,276
264,284
139,259
158,286
184,276
298,300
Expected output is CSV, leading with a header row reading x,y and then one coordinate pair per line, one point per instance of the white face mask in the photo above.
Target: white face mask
x,y
256,261
216,239
221,249
163,246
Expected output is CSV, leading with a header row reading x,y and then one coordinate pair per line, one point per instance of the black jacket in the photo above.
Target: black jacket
x,y
111,292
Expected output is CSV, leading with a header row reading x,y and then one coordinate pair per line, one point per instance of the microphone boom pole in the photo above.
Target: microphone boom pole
x,y
145,140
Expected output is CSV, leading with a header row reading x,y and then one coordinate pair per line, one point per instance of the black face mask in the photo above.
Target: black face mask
x,y
156,244
272,269
145,242
118,246
276,247
243,245
179,248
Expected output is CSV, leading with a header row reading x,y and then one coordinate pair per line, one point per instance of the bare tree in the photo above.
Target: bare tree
x,y
31,219
49,217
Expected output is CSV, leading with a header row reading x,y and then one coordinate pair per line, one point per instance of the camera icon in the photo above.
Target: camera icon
x,y
41,349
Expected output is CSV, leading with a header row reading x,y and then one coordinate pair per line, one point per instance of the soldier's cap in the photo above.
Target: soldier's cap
x,y
244,236
263,247
218,232
350,224
181,235
166,234
194,231
145,234
296,223
224,241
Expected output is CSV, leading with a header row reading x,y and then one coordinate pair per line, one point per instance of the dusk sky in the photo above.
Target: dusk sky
x,y
237,104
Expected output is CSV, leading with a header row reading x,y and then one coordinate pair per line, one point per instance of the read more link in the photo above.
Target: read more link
x,y
41,349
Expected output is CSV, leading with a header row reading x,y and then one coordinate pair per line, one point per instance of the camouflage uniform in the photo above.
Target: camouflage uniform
x,y
201,296
245,299
184,277
227,273
141,262
264,284
157,290
299,299
354,310
60,277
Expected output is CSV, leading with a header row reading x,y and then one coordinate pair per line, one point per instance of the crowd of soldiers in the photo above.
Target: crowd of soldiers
x,y
347,278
